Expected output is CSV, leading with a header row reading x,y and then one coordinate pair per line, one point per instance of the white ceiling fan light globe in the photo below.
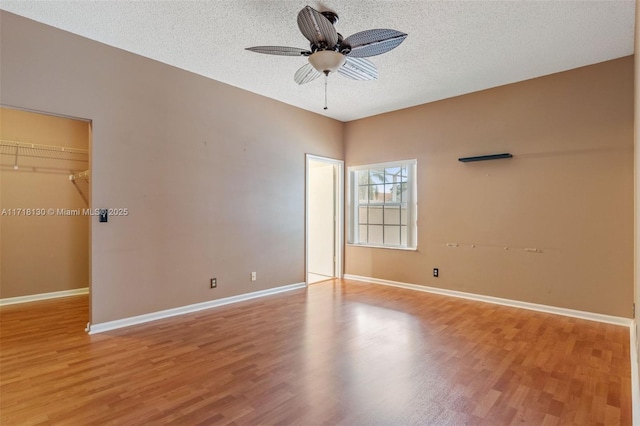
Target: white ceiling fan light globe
x,y
327,60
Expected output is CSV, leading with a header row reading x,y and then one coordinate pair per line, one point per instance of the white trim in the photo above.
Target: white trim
x,y
396,163
591,316
140,319
43,296
635,382
37,111
339,204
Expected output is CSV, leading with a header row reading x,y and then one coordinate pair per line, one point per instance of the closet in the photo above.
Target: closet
x,y
44,198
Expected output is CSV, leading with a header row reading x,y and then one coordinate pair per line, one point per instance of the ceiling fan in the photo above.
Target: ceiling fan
x,y
329,52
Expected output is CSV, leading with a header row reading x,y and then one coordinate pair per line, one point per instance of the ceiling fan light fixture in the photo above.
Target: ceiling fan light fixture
x,y
327,60
330,52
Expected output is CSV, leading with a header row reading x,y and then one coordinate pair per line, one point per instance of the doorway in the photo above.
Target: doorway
x,y
324,218
45,187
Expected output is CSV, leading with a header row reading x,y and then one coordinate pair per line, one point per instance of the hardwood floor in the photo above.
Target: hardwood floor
x,y
339,352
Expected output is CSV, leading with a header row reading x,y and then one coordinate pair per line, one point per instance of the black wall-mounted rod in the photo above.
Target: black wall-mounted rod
x,y
485,157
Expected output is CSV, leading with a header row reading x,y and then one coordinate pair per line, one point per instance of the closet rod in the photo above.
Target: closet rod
x,y
27,145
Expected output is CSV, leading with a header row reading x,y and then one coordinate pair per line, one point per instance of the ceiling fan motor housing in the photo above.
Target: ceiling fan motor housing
x,y
331,16
341,47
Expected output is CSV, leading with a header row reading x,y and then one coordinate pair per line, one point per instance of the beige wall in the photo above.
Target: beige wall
x,y
213,176
41,254
568,191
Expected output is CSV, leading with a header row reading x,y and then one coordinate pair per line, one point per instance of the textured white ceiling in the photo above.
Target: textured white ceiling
x,y
453,47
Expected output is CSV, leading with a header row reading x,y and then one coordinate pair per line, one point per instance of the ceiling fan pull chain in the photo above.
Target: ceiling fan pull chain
x,y
326,77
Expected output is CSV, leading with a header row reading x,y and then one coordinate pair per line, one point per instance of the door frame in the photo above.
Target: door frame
x,y
90,123
338,223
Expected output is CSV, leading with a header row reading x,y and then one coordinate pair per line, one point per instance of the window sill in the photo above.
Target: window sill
x,y
383,247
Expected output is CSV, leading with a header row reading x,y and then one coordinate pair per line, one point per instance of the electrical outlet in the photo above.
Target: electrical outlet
x,y
435,272
253,276
214,282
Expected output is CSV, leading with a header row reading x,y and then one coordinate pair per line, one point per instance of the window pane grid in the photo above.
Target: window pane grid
x,y
381,209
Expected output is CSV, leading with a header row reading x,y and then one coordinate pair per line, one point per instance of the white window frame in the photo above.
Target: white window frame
x,y
353,204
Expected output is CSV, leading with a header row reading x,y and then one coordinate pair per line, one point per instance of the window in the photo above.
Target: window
x,y
382,205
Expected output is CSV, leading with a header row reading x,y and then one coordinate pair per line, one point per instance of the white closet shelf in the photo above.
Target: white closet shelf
x,y
27,149
28,145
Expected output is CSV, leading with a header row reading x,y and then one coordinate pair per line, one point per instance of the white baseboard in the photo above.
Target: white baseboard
x,y
43,296
635,379
126,322
609,319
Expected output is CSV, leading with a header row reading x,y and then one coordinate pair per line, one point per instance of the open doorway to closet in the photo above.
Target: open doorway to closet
x,y
324,221
45,201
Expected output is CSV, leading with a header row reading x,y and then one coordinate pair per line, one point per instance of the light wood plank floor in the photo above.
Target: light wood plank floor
x,y
339,352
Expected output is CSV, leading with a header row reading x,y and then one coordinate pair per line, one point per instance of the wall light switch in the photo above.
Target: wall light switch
x,y
104,215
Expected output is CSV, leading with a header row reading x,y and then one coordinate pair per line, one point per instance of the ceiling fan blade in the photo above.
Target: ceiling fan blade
x,y
279,50
373,42
317,28
306,73
359,69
